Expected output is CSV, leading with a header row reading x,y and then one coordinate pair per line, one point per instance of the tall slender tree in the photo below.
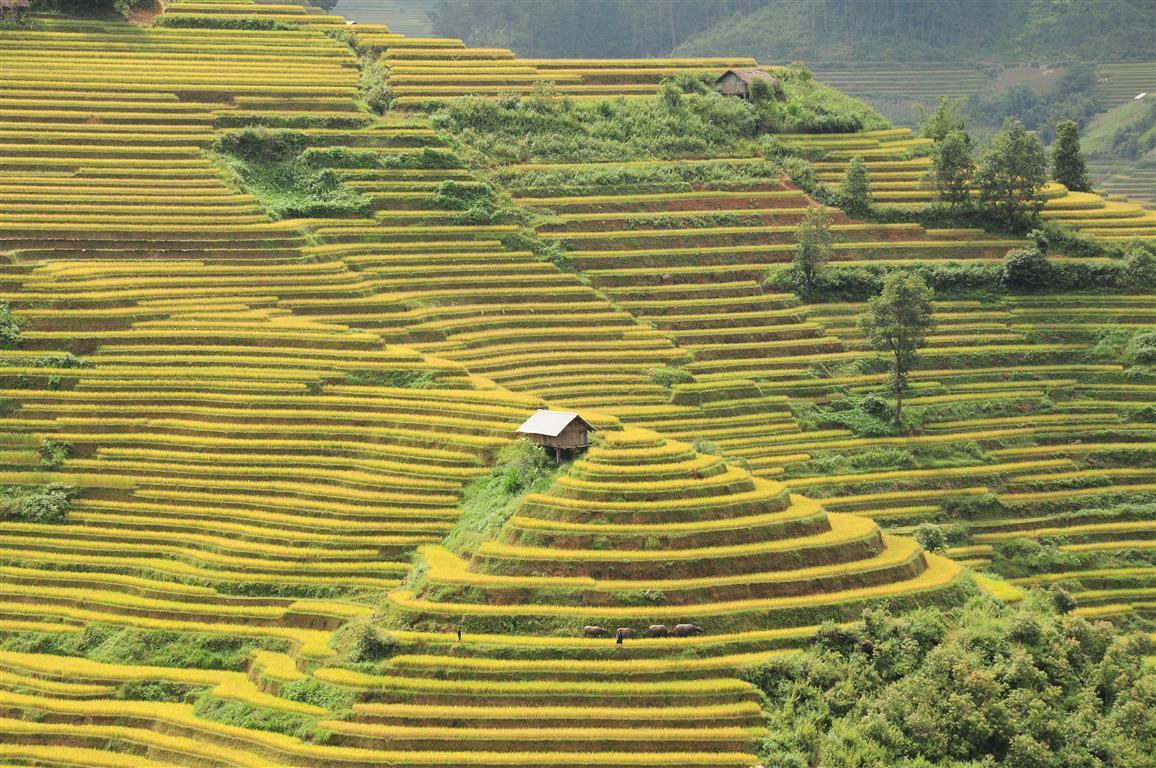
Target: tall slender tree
x,y
897,321
813,249
952,168
1068,167
856,188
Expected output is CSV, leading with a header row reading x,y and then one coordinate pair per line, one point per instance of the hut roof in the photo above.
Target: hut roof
x,y
747,75
550,423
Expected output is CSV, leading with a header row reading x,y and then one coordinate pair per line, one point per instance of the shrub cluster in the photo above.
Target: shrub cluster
x,y
227,22
281,169
688,119
48,503
868,416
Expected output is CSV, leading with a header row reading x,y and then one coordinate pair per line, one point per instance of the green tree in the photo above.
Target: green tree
x,y
896,321
1011,174
856,188
942,120
1068,166
813,249
952,168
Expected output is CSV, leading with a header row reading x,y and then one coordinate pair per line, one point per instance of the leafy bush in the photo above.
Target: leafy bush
x,y
543,127
763,91
352,120
1027,269
667,377
705,445
1140,266
477,202
48,503
1142,348
973,507
863,416
931,537
426,158
54,452
374,84
65,360
9,327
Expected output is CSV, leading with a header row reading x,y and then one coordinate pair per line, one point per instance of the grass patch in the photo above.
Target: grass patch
x,y
119,645
242,715
489,502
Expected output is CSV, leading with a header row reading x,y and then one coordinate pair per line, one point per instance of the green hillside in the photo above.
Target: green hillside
x,y
277,291
856,31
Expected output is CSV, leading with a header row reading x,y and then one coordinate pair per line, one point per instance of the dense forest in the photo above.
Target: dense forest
x,y
778,31
617,28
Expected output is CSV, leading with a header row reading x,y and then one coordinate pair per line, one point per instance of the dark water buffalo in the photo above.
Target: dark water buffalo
x,y
686,630
657,630
590,631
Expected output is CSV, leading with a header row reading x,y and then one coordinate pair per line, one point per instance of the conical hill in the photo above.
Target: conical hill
x,y
647,530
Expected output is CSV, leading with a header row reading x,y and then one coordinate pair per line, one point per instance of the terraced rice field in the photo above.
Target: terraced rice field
x,y
268,420
900,91
895,169
1122,82
410,17
1043,411
425,71
1126,180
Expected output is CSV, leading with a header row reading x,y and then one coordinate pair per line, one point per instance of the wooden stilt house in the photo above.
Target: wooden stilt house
x,y
562,433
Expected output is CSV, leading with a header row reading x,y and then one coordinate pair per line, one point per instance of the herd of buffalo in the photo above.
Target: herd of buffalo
x,y
654,630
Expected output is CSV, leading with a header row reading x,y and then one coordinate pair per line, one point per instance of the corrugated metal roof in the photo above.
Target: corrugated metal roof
x,y
549,423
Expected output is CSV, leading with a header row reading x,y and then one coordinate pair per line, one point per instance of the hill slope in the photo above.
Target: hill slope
x,y
965,31
261,421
